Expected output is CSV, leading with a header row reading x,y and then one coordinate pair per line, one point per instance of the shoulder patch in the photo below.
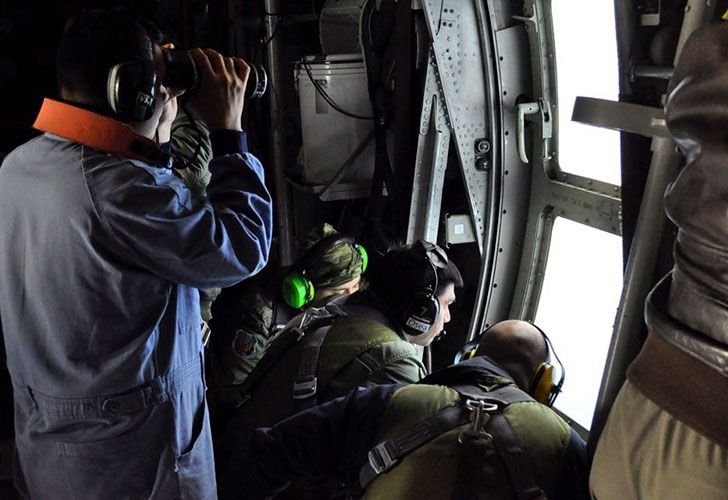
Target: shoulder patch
x,y
244,344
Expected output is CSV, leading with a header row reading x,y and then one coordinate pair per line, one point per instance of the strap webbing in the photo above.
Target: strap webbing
x,y
504,396
356,371
515,460
351,375
387,454
236,396
282,315
305,385
520,471
298,328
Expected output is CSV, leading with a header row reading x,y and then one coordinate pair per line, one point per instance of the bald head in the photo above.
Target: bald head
x,y
517,346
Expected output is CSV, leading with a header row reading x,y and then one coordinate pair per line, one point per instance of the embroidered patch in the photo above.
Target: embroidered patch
x,y
244,344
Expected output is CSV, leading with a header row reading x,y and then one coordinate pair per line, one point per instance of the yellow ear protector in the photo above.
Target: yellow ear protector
x,y
422,310
545,385
467,351
297,289
131,86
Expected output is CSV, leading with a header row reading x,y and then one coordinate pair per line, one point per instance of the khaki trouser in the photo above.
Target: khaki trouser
x,y
645,453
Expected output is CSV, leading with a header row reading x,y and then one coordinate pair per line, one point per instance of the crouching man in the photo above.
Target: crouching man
x,y
473,430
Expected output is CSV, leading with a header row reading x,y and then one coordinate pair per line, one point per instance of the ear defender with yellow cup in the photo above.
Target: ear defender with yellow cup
x,y
546,384
467,351
297,289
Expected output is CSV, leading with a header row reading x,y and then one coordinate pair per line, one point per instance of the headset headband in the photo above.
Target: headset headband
x,y
436,258
469,349
320,248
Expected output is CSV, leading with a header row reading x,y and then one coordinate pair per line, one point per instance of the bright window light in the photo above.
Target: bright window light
x,y
577,308
586,65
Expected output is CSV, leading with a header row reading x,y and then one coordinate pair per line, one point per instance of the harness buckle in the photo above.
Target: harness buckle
x,y
379,459
238,400
206,332
305,388
480,410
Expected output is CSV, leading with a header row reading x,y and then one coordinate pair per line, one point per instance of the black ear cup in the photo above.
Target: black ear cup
x,y
420,314
423,309
131,92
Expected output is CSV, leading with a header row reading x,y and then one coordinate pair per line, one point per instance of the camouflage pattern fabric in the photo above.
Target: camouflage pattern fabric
x,y
235,352
339,265
191,147
191,144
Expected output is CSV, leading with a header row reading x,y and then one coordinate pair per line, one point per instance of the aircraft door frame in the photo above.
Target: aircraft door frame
x,y
482,44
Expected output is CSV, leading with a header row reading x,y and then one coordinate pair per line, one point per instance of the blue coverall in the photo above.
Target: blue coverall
x,y
100,259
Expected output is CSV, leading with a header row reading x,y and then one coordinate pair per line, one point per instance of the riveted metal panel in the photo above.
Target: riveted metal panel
x,y
430,163
512,51
460,71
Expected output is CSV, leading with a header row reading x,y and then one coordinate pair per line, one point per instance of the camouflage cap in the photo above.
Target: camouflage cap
x,y
338,265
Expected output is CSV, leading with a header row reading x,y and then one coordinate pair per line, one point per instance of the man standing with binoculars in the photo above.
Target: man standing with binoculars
x,y
102,249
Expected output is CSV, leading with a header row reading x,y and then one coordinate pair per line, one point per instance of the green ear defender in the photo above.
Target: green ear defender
x,y
297,290
364,256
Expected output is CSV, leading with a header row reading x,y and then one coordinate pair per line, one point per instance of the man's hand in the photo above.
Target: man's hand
x,y
219,100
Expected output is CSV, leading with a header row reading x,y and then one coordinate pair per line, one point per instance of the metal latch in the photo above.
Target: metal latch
x,y
530,108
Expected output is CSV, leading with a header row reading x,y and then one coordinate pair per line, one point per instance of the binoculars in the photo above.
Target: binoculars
x,y
182,74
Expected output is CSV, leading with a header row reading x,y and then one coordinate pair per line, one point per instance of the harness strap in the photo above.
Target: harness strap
x,y
303,325
517,463
305,385
357,370
488,421
282,314
353,374
235,396
505,439
387,454
504,396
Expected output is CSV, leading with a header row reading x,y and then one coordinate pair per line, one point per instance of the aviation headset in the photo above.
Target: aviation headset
x,y
297,289
423,308
545,385
131,85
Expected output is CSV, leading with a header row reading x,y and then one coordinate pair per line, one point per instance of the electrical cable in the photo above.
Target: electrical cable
x,y
327,97
279,21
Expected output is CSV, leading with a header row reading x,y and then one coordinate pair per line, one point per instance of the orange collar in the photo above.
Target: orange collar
x,y
98,132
